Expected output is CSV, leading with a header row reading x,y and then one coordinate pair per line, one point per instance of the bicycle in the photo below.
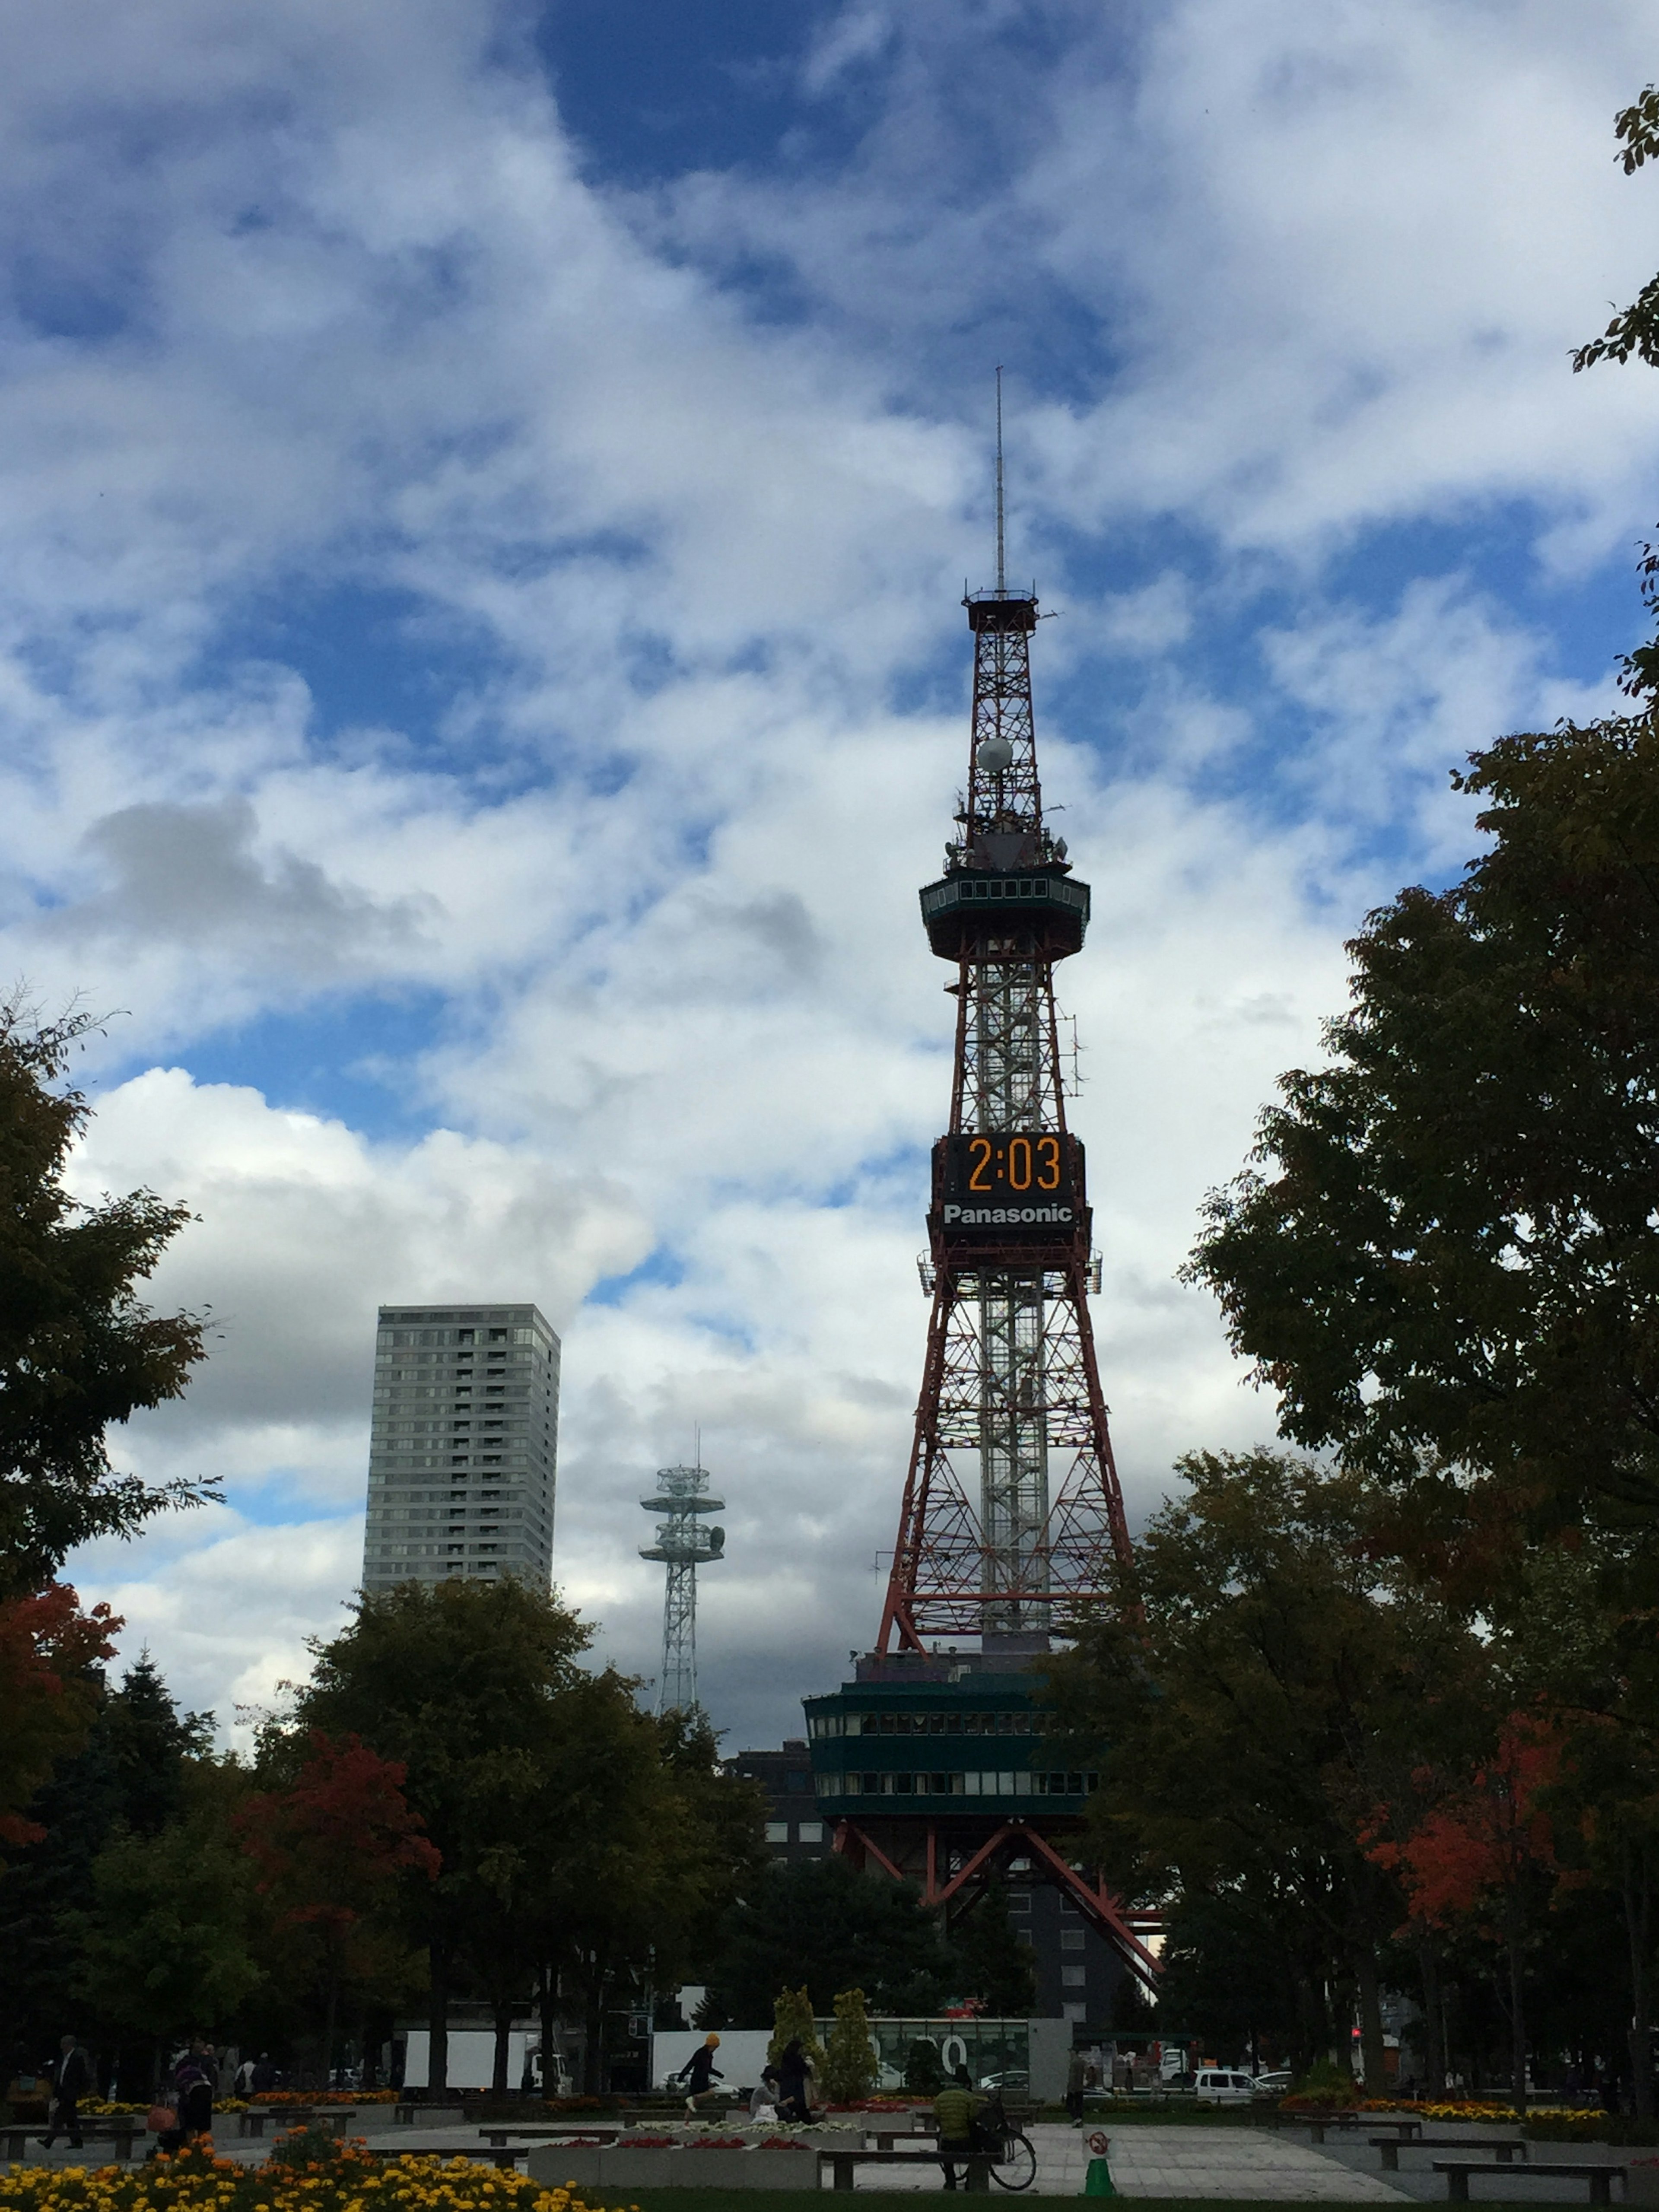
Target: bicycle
x,y
1013,2157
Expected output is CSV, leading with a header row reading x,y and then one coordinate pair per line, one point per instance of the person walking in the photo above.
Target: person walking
x,y
1077,2080
265,2075
699,2073
795,2082
194,2080
954,2109
71,2078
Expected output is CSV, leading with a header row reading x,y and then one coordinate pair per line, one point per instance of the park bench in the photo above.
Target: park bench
x,y
120,2135
1459,2171
842,2163
1504,2148
253,2122
1350,2122
535,2130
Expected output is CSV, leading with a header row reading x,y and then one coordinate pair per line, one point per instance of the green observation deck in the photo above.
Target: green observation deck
x,y
961,908
884,1748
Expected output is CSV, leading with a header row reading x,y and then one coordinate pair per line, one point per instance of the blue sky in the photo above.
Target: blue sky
x,y
488,489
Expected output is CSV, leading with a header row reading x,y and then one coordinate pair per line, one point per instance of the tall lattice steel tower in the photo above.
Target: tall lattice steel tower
x,y
683,1545
1011,1507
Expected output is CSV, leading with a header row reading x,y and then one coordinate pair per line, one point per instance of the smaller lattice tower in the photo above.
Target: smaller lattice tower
x,y
684,1544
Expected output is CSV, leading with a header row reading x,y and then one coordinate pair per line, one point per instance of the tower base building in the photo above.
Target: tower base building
x,y
463,1446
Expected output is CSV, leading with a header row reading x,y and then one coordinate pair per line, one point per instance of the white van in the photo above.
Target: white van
x,y
1214,2086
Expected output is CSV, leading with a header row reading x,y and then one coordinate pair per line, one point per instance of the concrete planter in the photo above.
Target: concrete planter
x,y
710,2169
550,2164
1640,2181
780,2169
636,2169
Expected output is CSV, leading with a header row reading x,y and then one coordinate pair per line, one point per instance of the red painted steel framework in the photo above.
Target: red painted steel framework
x,y
948,1874
1011,1511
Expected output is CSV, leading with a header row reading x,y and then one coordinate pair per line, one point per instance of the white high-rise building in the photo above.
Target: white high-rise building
x,y
463,1445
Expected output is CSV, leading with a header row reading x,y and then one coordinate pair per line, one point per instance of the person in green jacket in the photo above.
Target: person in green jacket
x,y
954,2109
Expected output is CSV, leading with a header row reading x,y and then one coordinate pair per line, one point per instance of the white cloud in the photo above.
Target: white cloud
x,y
316,310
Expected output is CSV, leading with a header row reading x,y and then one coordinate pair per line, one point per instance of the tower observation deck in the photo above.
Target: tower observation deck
x,y
1011,1515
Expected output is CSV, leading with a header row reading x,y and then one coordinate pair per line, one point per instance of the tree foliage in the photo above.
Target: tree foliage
x,y
1245,1713
331,1851
816,1924
1446,1260
576,1832
50,1691
1633,330
850,2065
77,1350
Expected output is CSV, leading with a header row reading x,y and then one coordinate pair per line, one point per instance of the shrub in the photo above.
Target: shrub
x,y
849,2061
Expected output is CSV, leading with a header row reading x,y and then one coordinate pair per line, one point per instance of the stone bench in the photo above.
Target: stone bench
x,y
253,2122
1459,2171
1503,2147
842,2164
120,2135
1350,2122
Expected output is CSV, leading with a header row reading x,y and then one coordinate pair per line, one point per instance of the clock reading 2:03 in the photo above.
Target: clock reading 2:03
x,y
1023,1180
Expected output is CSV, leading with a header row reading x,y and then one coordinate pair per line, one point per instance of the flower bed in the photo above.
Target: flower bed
x,y
314,2099
348,2180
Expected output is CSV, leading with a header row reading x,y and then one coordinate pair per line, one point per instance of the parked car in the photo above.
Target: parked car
x,y
1216,2087
1275,2084
1013,2084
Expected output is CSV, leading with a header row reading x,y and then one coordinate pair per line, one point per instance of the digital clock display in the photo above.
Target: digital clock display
x,y
1009,1183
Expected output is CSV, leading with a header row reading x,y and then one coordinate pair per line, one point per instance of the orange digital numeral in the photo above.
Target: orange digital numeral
x,y
982,1146
1019,1162
1049,1156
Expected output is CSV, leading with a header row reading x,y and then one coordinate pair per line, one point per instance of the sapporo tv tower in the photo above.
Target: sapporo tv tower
x,y
931,1763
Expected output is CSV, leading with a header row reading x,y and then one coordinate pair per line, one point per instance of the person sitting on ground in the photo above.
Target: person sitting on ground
x,y
764,2097
699,2073
954,2109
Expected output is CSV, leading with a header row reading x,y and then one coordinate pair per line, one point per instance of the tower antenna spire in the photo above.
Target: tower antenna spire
x,y
1002,580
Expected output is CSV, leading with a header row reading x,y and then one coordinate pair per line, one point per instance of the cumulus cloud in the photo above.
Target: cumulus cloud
x,y
445,581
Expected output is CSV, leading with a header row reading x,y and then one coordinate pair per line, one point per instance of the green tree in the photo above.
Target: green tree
x,y
794,2022
1446,1260
990,1965
131,1771
1246,1717
457,1682
77,1350
850,2065
817,1923
576,1832
331,1851
165,1944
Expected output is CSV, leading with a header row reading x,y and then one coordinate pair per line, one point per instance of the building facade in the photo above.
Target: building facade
x,y
463,1446
795,1827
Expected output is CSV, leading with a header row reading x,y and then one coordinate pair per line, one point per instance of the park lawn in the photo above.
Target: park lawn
x,y
896,2200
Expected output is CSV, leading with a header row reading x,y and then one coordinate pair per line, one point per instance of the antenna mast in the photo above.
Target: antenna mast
x,y
683,1546
1002,578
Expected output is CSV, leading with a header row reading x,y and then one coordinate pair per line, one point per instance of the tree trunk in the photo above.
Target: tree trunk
x,y
1434,2018
1517,2016
328,2030
503,2047
593,2010
1638,1921
549,2074
437,2065
1370,2020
